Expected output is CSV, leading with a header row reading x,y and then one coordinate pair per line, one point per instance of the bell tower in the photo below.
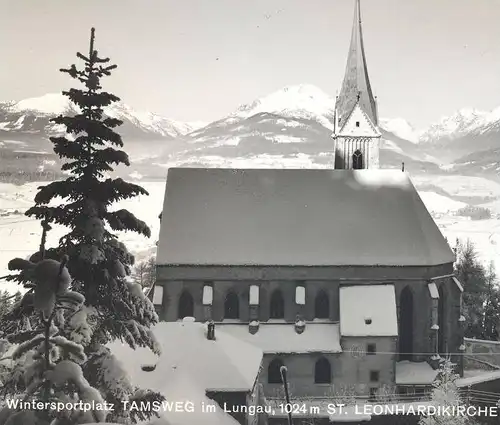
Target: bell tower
x,y
356,135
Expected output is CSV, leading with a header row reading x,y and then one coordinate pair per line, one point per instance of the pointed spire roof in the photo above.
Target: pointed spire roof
x,y
356,85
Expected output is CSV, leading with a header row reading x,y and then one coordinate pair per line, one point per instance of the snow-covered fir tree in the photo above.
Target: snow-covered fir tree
x,y
99,264
48,359
446,393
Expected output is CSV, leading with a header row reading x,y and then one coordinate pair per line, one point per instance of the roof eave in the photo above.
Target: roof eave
x,y
207,265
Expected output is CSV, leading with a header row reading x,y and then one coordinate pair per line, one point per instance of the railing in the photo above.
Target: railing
x,y
403,398
470,396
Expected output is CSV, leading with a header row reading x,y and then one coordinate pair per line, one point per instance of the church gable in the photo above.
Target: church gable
x,y
359,125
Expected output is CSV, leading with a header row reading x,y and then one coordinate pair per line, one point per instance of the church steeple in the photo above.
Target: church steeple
x,y
355,132
356,85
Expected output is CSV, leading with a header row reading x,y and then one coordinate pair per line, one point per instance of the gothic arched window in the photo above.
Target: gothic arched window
x,y
357,160
231,306
322,371
321,305
277,307
186,305
406,318
274,371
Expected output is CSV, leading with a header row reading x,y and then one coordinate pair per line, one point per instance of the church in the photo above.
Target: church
x,y
339,274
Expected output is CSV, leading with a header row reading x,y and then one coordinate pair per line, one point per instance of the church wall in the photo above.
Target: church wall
x,y
351,370
422,321
422,310
298,273
423,335
346,146
364,128
362,137
300,373
357,364
374,153
452,297
329,287
173,290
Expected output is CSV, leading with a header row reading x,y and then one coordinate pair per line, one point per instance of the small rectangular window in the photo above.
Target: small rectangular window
x,y
208,295
300,295
371,349
374,376
254,295
373,394
158,295
357,123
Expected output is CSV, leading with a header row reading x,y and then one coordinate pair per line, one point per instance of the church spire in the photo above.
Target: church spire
x,y
356,85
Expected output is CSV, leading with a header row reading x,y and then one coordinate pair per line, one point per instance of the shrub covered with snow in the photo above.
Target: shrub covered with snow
x,y
47,361
446,394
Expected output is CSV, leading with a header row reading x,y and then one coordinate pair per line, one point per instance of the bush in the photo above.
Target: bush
x,y
475,213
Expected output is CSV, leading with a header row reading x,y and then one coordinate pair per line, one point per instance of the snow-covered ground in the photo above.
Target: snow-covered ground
x,y
20,235
440,204
456,185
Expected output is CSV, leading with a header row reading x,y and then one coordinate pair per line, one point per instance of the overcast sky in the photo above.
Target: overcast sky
x,y
199,59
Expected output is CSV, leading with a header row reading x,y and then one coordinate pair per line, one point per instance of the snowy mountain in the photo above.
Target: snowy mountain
x,y
194,125
291,127
302,101
31,116
461,122
25,129
400,128
464,133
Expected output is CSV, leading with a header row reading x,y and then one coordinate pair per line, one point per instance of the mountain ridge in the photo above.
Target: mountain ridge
x,y
19,116
288,127
306,98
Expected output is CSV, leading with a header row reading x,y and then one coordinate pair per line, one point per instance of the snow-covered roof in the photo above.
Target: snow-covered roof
x,y
459,285
226,364
282,338
368,310
298,218
415,373
480,377
181,389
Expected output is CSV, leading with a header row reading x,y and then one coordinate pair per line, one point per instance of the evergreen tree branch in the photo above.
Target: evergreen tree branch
x,y
124,220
